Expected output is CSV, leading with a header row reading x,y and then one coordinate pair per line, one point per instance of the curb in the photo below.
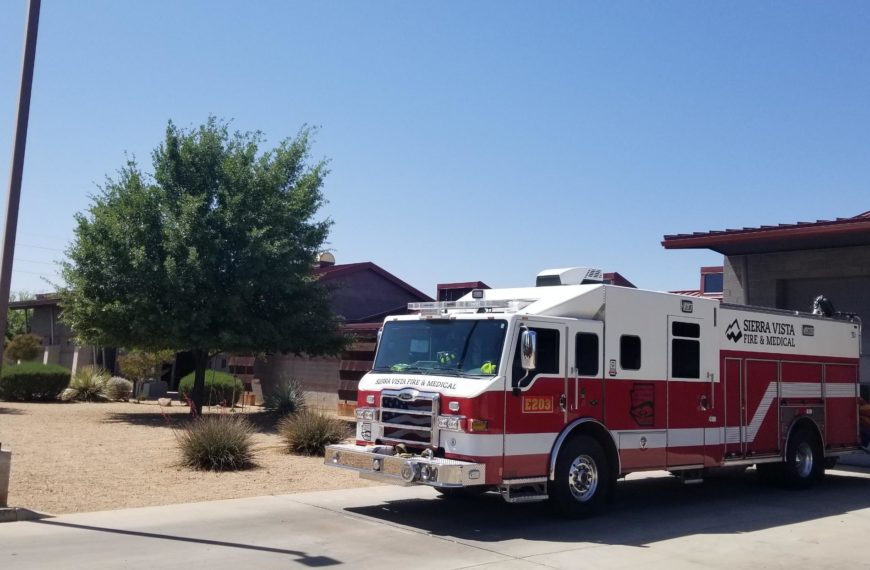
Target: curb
x,y
15,514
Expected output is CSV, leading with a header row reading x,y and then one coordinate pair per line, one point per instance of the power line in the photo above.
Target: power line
x,y
37,273
17,259
38,247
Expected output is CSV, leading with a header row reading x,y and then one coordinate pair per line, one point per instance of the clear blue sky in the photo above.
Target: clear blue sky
x,y
482,140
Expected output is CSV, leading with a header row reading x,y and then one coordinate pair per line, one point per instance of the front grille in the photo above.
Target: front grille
x,y
409,416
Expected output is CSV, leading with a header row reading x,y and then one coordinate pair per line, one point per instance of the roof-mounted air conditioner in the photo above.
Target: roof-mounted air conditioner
x,y
569,276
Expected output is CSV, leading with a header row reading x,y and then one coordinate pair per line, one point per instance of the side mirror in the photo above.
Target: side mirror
x,y
529,350
528,358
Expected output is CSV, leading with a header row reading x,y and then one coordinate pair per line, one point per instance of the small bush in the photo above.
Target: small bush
x,y
287,397
118,388
308,433
217,443
220,388
33,381
87,384
24,347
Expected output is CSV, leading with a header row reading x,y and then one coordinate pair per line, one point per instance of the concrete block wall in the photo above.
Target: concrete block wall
x,y
763,280
753,279
318,375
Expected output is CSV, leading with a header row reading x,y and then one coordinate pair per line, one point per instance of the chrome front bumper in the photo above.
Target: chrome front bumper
x,y
399,470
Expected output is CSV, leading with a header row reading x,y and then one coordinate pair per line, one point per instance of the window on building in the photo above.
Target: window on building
x,y
685,350
586,354
629,352
713,283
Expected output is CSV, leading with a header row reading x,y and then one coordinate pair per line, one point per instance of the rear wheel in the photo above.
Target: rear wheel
x,y
804,460
582,478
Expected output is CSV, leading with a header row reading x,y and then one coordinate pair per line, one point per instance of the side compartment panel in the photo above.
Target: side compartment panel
x,y
841,405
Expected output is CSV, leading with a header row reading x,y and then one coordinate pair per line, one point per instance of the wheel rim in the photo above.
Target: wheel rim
x,y
583,478
804,460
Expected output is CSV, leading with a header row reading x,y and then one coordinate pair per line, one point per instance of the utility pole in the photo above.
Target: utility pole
x,y
17,170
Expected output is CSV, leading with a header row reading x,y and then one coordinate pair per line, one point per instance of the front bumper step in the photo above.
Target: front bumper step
x,y
373,463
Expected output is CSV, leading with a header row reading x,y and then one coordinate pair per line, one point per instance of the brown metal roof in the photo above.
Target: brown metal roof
x,y
698,293
335,271
842,232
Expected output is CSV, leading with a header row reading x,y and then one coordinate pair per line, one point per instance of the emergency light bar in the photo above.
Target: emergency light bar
x,y
444,306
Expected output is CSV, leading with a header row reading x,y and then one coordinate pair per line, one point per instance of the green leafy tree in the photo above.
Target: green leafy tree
x,y
212,252
140,365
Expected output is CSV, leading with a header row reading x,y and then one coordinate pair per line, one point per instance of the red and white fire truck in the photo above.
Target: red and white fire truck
x,y
555,391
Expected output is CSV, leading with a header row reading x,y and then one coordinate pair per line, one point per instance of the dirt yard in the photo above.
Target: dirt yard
x,y
88,457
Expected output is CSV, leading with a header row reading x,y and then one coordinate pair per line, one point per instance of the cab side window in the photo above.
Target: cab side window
x,y
548,351
586,354
548,354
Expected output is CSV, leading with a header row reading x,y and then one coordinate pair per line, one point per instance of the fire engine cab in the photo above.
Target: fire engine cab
x,y
555,391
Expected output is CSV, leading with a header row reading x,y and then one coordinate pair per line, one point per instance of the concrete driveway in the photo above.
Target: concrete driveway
x,y
657,522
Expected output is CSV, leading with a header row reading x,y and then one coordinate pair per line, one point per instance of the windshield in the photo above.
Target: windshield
x,y
470,347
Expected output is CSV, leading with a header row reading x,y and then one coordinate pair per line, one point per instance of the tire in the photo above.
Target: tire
x,y
461,493
804,460
582,479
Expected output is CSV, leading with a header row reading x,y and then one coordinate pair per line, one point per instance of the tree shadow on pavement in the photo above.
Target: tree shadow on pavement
x,y
646,511
11,411
263,422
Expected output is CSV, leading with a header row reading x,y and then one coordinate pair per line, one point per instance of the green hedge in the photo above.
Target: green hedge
x,y
220,388
33,381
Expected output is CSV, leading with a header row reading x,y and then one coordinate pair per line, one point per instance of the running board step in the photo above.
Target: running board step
x,y
526,490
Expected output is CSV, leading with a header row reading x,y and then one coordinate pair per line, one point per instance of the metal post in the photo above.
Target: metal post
x,y
17,162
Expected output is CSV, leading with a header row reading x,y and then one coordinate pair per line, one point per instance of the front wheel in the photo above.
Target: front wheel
x,y
804,460
582,478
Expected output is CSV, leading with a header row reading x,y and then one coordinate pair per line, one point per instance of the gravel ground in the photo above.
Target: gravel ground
x,y
78,457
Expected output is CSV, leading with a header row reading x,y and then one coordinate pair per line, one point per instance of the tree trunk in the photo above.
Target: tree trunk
x,y
200,359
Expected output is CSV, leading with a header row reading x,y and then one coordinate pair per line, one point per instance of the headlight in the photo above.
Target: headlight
x,y
365,414
428,473
452,423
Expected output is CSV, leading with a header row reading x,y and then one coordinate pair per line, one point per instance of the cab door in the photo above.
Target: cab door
x,y
535,401
584,352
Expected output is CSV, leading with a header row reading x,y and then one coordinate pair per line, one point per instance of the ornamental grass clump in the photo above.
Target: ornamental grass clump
x,y
217,443
309,432
88,384
288,397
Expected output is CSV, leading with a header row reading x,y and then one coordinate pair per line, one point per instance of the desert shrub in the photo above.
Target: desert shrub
x,y
87,384
23,347
33,381
118,388
217,443
286,398
220,388
308,432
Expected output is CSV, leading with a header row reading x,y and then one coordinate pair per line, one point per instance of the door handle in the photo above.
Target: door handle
x,y
563,402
